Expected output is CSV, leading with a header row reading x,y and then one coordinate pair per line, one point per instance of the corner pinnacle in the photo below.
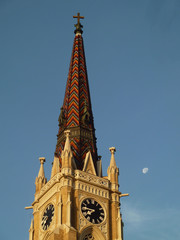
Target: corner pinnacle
x,y
112,162
41,170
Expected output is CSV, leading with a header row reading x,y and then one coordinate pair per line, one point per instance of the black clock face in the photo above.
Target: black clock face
x,y
92,211
47,217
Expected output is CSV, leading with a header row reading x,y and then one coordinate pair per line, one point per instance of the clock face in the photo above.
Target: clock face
x,y
92,211
47,217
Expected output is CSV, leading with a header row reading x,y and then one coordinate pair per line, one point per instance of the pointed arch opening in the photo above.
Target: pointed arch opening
x,y
91,233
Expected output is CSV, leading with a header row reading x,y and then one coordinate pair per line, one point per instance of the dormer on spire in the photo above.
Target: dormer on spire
x,y
40,179
78,25
61,118
86,115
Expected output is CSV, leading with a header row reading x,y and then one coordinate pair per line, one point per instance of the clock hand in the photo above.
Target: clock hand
x,y
90,211
85,208
45,219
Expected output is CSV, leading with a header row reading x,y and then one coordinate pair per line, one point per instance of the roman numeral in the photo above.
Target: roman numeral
x,y
84,213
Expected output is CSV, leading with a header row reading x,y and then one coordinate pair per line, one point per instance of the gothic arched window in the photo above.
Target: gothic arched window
x,y
89,237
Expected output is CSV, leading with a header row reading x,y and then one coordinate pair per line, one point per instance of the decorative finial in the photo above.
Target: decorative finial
x,y
67,133
78,25
42,160
112,150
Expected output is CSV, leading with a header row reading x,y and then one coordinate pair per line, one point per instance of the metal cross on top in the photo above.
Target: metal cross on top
x,y
78,18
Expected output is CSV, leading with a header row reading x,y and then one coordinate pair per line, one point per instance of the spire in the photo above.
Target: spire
x,y
67,155
113,171
41,170
76,113
67,146
112,162
40,179
99,167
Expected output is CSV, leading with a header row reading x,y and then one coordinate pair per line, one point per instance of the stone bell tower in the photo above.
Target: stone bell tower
x,y
77,202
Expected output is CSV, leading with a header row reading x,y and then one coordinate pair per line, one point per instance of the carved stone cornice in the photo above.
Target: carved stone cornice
x,y
77,175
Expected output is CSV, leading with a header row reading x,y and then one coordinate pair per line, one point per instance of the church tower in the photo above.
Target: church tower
x,y
77,203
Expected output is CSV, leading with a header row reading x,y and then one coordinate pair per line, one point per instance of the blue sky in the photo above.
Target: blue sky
x,y
133,57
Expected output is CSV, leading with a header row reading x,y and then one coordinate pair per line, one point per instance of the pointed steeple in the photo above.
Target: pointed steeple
x,y
76,112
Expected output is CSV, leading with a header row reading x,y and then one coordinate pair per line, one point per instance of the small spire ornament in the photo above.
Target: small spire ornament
x,y
78,25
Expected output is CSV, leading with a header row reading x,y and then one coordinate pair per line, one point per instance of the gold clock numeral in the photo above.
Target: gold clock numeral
x,y
101,218
84,213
